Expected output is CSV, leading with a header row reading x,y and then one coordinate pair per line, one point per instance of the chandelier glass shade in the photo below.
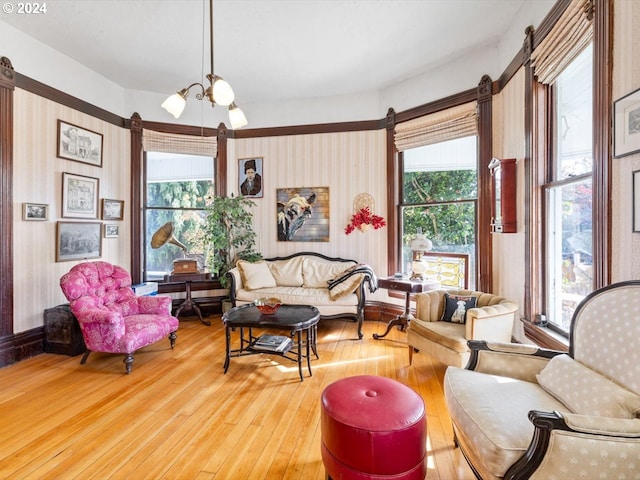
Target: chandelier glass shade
x,y
219,92
236,116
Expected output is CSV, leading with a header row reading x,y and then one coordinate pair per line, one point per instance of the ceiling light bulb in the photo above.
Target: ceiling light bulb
x,y
222,91
236,117
175,104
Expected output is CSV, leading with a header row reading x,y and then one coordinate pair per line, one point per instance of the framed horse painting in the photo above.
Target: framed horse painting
x,y
303,214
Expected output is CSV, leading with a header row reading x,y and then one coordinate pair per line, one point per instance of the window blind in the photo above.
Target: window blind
x,y
153,141
566,40
449,124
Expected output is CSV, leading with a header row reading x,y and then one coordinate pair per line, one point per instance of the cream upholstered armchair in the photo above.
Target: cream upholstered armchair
x,y
521,412
490,318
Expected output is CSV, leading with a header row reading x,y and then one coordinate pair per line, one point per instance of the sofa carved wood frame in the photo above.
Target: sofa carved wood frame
x,y
356,317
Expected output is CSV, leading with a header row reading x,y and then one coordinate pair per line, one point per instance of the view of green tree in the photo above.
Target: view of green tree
x,y
441,204
184,204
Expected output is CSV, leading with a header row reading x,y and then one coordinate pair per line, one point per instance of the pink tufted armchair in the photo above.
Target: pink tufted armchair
x,y
112,318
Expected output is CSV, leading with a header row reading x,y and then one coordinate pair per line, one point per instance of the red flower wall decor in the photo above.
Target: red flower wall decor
x,y
363,220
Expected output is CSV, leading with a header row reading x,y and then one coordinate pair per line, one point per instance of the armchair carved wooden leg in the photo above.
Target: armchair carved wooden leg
x,y
172,339
84,357
128,362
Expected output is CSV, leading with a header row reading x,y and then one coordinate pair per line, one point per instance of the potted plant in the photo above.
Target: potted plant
x,y
229,232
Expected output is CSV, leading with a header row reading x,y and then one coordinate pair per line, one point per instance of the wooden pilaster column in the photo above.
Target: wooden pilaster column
x,y
602,141
221,174
534,112
137,178
7,87
484,244
393,228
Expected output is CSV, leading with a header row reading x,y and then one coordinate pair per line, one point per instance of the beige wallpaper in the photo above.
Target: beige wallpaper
x,y
508,142
347,163
626,78
37,178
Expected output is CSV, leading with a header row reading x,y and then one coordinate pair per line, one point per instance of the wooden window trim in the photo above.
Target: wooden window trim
x,y
537,157
483,95
138,178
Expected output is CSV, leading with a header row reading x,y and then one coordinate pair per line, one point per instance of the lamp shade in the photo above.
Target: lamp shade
x,y
222,91
420,243
236,117
174,104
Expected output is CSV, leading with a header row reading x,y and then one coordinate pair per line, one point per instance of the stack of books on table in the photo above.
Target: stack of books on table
x,y
272,343
146,288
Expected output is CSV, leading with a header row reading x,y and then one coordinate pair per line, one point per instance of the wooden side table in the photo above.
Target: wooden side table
x,y
188,303
408,287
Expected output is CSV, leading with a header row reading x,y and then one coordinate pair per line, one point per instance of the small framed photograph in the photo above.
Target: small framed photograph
x,y
78,241
35,211
79,144
636,201
79,196
112,209
626,125
111,230
250,177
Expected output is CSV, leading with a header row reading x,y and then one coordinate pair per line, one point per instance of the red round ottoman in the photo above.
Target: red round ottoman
x,y
373,428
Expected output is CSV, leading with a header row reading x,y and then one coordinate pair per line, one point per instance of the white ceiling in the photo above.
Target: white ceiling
x,y
268,49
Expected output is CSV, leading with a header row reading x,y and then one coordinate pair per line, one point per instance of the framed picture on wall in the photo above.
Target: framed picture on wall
x,y
79,144
79,196
250,177
626,125
303,214
35,211
78,241
112,209
111,230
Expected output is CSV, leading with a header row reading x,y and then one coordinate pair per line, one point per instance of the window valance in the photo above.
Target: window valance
x,y
449,124
566,40
153,141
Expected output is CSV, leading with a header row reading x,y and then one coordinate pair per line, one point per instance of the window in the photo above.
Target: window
x,y
177,187
568,194
439,195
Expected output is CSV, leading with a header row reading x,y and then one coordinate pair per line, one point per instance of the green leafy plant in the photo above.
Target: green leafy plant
x,y
230,235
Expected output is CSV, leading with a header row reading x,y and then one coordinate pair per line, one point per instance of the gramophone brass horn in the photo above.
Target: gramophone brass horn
x,y
165,235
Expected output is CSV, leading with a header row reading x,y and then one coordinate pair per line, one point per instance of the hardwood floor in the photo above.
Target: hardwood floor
x,y
177,416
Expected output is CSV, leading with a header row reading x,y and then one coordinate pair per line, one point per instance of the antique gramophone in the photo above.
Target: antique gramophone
x,y
165,235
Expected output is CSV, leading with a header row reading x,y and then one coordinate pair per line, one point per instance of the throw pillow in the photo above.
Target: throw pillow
x,y
288,273
456,306
346,287
586,392
255,275
317,274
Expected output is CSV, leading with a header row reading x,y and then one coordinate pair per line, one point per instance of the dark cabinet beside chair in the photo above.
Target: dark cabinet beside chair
x,y
62,332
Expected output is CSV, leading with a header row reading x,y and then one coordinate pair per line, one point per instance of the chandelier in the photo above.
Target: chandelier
x,y
219,92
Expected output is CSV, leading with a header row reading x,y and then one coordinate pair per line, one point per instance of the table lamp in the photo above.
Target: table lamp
x,y
418,246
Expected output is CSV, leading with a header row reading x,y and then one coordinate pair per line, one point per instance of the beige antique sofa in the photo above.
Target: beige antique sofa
x,y
521,412
335,286
491,319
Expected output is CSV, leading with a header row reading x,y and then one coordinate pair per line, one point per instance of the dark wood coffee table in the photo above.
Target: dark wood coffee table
x,y
298,320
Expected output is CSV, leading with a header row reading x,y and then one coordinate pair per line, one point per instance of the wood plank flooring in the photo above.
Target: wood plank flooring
x,y
177,416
